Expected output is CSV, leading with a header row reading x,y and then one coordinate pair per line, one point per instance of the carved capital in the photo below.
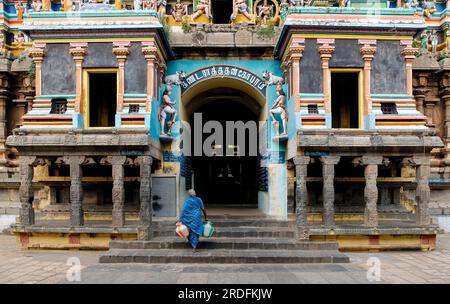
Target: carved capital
x,y
330,160
301,160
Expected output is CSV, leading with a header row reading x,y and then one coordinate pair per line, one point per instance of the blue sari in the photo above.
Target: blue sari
x,y
191,216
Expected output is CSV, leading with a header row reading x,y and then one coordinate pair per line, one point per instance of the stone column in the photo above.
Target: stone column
x,y
409,53
118,190
446,100
151,56
328,163
419,96
301,211
4,92
76,190
78,52
428,111
326,50
145,197
371,190
422,164
293,56
121,52
26,194
368,50
37,53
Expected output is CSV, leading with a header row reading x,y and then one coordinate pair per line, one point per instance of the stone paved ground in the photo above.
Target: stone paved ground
x,y
51,267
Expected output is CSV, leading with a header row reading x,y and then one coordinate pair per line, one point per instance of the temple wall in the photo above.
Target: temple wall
x,y
311,69
58,70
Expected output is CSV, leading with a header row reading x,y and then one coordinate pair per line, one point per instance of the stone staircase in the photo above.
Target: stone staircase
x,y
236,240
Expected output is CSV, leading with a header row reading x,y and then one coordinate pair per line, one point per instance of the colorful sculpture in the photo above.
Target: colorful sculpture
x,y
429,8
19,10
150,5
167,108
178,11
36,5
433,41
137,5
279,109
240,7
265,12
411,4
162,7
203,7
46,5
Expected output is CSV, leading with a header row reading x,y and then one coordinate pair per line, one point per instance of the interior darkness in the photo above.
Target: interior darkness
x,y
344,100
222,10
229,180
102,99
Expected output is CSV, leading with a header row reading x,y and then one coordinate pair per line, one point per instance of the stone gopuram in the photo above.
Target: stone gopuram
x,y
112,111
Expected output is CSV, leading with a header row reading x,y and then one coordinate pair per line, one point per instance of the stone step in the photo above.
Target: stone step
x,y
233,223
237,232
222,256
224,243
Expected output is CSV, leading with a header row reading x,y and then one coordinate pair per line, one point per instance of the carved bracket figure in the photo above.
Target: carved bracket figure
x,y
175,79
167,115
279,109
271,79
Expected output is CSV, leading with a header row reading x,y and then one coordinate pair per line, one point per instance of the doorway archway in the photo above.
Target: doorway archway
x,y
227,179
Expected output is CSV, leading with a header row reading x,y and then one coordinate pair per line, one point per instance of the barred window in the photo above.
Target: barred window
x,y
59,106
389,108
313,109
133,108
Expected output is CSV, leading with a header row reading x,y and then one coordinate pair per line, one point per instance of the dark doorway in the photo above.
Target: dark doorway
x,y
102,99
344,100
228,179
221,11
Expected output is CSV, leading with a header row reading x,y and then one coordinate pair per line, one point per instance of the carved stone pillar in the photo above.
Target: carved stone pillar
x,y
368,50
326,50
118,190
151,55
4,92
371,190
409,53
121,52
422,164
78,52
37,53
26,195
328,163
145,197
429,110
76,190
293,56
301,211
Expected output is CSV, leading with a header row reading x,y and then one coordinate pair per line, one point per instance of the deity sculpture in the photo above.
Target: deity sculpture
x,y
19,38
344,3
36,5
240,7
19,10
280,109
137,5
429,8
265,12
178,11
423,40
165,109
162,7
150,5
433,41
202,8
411,3
46,5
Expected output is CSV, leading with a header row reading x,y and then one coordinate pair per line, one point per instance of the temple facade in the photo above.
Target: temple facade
x,y
331,115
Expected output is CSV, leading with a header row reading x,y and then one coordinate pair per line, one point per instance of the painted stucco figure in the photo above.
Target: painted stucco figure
x,y
36,5
240,7
167,113
150,5
265,12
429,8
203,7
279,109
178,11
19,10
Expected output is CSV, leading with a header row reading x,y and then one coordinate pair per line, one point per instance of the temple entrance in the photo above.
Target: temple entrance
x,y
228,177
221,11
102,99
345,100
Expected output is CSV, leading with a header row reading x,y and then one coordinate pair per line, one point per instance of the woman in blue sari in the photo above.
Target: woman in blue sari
x,y
191,216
